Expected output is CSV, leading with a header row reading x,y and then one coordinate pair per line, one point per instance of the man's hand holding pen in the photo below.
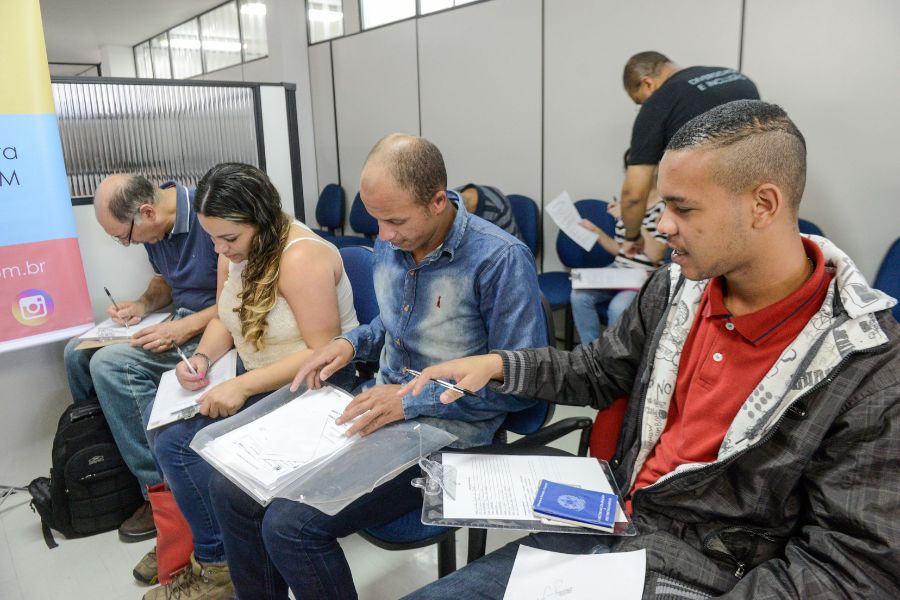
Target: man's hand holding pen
x,y
127,313
470,374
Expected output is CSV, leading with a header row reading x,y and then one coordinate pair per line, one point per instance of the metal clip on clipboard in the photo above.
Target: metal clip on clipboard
x,y
188,412
438,478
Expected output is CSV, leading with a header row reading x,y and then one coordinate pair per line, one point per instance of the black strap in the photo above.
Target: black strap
x,y
48,535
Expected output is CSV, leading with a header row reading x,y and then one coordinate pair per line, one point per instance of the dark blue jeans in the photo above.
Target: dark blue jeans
x,y
292,545
189,475
486,578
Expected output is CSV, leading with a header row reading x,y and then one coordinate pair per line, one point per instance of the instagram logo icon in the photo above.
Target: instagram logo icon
x,y
32,307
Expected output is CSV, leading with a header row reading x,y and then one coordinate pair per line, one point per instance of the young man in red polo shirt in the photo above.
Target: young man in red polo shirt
x,y
759,449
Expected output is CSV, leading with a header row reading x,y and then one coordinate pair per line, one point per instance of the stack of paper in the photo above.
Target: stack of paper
x,y
173,402
277,446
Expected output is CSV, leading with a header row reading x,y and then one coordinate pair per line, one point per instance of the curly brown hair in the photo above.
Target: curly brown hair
x,y
244,194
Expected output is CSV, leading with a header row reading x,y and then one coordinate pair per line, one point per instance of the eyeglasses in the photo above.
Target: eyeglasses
x,y
125,241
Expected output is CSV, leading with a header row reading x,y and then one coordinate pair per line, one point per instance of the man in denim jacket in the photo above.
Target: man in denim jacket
x,y
449,284
758,454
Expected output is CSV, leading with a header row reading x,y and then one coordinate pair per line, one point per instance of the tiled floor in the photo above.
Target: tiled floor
x,y
99,567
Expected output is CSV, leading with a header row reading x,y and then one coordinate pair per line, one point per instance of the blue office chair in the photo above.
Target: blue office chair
x,y
528,218
330,211
556,285
359,264
810,228
408,532
362,222
888,278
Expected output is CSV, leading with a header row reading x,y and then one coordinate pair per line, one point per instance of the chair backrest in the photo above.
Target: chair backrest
x,y
574,256
330,207
360,219
359,264
528,217
534,417
809,228
888,278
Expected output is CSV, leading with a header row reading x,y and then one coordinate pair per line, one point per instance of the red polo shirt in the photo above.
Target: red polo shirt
x,y
723,359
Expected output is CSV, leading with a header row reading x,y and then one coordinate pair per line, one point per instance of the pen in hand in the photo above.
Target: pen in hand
x,y
442,383
186,361
116,306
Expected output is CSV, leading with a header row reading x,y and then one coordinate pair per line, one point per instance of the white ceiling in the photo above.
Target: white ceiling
x,y
75,29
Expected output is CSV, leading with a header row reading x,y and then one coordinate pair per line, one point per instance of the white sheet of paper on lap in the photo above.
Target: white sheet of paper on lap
x,y
542,575
268,450
563,212
109,330
608,278
172,399
503,487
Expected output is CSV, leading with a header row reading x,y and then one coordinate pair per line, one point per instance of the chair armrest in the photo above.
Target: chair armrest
x,y
554,431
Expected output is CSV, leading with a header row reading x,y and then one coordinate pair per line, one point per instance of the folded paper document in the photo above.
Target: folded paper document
x,y
173,402
608,278
288,445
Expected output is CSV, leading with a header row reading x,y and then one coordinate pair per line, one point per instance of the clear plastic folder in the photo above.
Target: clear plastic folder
x,y
288,446
496,491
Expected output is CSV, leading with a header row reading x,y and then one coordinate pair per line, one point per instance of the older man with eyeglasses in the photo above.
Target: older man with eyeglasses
x,y
124,377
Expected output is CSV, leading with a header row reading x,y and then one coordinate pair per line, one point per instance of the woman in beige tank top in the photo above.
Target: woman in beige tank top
x,y
282,292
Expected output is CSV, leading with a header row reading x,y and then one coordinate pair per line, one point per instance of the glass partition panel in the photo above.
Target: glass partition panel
x,y
253,29
220,37
379,12
159,54
160,131
326,19
142,65
184,44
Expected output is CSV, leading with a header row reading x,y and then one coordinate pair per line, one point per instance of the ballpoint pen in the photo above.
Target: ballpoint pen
x,y
443,383
116,306
186,361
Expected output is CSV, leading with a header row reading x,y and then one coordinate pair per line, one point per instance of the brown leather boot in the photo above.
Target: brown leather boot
x,y
139,526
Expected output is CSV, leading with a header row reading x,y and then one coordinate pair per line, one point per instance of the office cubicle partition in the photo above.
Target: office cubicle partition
x,y
175,129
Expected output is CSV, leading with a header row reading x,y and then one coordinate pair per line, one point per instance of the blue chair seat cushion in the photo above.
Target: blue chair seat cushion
x,y
556,286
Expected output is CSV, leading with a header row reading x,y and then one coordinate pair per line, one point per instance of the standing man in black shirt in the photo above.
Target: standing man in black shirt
x,y
669,97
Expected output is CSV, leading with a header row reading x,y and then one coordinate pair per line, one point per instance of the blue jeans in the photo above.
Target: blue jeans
x,y
586,306
486,578
124,381
188,475
292,545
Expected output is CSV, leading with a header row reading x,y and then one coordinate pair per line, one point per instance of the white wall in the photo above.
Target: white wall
x,y
376,93
831,64
835,67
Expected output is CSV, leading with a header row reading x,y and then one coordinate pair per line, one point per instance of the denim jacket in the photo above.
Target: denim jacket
x,y
476,292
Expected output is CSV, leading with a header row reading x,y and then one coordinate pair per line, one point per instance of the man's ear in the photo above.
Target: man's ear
x,y
439,202
147,213
768,205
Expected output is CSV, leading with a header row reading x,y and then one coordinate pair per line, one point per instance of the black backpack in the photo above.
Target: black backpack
x,y
90,489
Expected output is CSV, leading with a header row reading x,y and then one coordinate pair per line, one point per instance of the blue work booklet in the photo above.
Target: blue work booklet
x,y
576,506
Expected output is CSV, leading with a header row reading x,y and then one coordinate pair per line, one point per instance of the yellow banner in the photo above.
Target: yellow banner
x,y
24,74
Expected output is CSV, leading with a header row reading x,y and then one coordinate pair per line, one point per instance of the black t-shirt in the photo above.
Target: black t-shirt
x,y
682,97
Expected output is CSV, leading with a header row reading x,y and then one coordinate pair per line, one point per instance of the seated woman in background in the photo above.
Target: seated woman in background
x,y
283,292
586,303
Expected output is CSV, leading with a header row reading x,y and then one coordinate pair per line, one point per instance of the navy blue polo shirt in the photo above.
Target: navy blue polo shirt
x,y
185,257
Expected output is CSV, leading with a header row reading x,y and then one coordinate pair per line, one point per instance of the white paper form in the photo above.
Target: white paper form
x,y
543,575
274,446
608,278
503,487
171,399
563,212
109,330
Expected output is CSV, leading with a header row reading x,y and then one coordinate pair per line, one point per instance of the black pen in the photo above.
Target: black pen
x,y
116,306
443,383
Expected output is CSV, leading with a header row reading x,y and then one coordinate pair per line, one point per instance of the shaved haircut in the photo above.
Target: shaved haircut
x,y
756,142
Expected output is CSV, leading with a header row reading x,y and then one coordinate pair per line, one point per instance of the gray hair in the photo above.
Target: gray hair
x,y
642,64
127,198
758,141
